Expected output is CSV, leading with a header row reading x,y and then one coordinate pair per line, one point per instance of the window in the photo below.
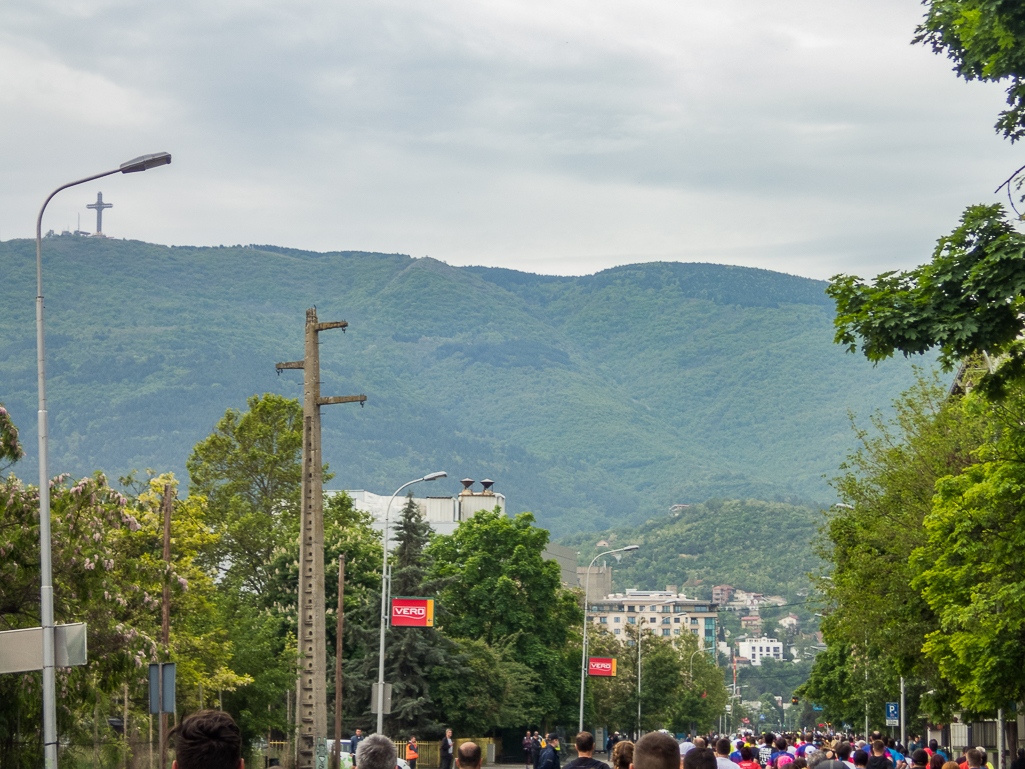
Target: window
x,y
617,619
709,621
654,620
630,642
654,608
676,631
676,620
629,608
631,620
665,631
617,631
665,621
693,620
603,620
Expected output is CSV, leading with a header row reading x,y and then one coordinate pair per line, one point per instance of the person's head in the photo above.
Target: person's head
x,y
359,733
656,750
412,738
622,755
376,752
746,754
843,751
781,744
982,755
209,739
448,732
767,738
860,758
700,758
537,733
920,757
740,744
799,763
951,765
878,747
467,757
553,740
722,747
700,743
585,744
936,761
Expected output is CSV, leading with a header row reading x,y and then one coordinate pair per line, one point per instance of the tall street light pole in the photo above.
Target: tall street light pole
x,y
583,651
385,590
141,163
640,632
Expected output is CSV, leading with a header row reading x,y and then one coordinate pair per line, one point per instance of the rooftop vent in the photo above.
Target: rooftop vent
x,y
467,483
487,483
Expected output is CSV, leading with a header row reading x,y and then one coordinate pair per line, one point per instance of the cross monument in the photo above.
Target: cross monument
x,y
99,205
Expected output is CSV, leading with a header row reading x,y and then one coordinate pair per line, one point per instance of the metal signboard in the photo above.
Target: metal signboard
x,y
161,687
407,611
601,666
22,650
893,714
375,698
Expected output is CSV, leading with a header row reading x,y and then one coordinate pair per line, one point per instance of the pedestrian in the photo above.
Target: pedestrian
x,y
550,754
535,749
622,754
747,758
468,756
699,758
209,739
879,759
722,755
585,754
375,752
613,738
527,748
354,742
1019,762
447,746
411,752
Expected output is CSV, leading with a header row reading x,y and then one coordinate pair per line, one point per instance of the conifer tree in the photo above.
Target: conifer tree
x,y
416,658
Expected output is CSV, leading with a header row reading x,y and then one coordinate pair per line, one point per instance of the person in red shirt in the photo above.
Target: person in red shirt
x,y
747,759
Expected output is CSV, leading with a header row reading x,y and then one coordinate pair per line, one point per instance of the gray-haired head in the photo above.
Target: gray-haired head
x,y
376,752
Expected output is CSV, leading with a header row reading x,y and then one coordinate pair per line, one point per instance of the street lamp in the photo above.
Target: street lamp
x,y
697,651
141,163
583,651
385,590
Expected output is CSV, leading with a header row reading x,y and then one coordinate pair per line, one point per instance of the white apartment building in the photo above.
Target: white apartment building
x,y
757,649
663,612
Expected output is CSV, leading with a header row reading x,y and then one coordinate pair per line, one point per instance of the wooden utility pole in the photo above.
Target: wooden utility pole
x,y
311,688
165,621
339,647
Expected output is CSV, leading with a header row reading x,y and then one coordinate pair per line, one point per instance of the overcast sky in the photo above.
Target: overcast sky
x,y
563,136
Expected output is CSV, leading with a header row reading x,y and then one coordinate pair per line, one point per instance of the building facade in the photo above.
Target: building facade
x,y
663,612
758,649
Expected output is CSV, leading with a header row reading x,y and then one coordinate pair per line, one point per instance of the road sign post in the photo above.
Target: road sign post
x,y
893,714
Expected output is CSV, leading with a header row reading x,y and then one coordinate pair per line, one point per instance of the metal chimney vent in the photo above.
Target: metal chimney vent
x,y
487,483
467,483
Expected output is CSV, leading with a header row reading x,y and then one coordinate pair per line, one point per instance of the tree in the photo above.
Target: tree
x,y
249,470
968,301
986,41
971,569
10,446
417,658
499,587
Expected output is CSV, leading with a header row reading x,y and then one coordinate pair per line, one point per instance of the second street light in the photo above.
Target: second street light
x,y
583,652
385,593
142,163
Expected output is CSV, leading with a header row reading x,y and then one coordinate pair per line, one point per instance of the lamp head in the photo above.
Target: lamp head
x,y
628,548
145,162
435,476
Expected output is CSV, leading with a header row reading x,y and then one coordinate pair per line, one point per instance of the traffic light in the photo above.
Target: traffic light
x,y
794,700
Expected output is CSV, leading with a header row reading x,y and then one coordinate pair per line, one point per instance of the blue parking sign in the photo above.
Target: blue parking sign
x,y
892,713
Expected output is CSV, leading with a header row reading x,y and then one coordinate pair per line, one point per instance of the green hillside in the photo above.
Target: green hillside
x,y
761,547
593,401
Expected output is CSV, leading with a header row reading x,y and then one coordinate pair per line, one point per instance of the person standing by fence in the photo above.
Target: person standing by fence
x,y
411,752
447,746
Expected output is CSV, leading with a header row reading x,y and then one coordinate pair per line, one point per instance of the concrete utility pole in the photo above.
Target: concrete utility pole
x,y
311,688
339,647
165,618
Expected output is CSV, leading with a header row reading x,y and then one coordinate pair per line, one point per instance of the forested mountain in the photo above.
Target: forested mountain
x,y
762,547
593,401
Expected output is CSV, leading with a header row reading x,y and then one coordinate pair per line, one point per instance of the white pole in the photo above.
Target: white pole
x,y
903,741
1000,738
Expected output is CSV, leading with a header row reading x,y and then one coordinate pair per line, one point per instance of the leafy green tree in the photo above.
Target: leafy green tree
x,y
971,569
249,470
10,446
416,658
499,587
986,41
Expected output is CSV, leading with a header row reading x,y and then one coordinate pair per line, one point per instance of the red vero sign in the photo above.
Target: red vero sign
x,y
412,612
601,666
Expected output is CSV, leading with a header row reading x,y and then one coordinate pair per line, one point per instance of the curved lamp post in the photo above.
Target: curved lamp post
x,y
583,651
385,590
141,163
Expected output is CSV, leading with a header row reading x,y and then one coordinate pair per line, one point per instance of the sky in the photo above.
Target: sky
x,y
559,137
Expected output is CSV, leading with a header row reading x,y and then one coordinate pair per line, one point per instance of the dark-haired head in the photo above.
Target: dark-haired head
x,y
209,739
